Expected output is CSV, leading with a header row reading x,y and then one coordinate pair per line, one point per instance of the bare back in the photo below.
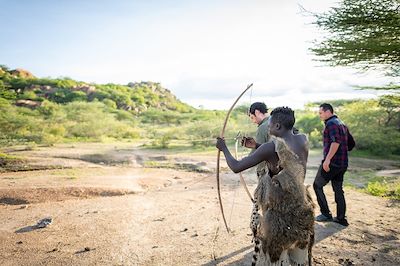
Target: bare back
x,y
298,143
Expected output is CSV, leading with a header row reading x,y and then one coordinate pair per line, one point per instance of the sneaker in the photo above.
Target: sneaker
x,y
323,218
341,221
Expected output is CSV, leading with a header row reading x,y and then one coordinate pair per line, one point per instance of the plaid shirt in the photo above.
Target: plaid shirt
x,y
336,131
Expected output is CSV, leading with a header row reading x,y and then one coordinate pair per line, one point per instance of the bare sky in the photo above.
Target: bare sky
x,y
205,52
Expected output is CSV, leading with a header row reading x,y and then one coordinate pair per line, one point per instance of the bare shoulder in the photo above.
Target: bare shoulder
x,y
270,145
301,137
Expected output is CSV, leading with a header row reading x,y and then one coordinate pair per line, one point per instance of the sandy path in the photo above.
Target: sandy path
x,y
179,224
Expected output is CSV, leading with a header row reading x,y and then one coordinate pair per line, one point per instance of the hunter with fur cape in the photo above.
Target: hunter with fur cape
x,y
284,230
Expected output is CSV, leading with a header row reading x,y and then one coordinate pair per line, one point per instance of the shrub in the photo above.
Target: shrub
x,y
384,189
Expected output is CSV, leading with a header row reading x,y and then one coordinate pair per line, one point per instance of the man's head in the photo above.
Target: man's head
x,y
325,111
282,118
257,112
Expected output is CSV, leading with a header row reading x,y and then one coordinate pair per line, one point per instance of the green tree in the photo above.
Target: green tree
x,y
391,105
110,103
65,83
28,95
307,122
6,93
361,33
72,96
367,122
18,84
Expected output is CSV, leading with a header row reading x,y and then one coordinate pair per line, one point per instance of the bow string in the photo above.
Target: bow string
x,y
219,156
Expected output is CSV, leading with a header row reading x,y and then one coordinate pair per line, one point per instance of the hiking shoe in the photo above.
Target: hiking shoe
x,y
341,221
323,218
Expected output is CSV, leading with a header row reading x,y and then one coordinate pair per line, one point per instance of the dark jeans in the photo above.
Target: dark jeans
x,y
335,175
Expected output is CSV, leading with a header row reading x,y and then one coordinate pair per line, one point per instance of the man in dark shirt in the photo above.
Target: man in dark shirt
x,y
334,165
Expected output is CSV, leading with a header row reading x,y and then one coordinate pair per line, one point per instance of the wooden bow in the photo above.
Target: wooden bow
x,y
240,173
219,155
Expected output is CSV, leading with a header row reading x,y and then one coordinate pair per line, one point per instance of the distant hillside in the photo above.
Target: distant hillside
x,y
44,110
24,89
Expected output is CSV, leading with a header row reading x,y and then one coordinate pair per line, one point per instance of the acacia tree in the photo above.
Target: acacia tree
x,y
361,33
391,106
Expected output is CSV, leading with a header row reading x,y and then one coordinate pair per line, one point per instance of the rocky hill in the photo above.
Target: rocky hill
x,y
24,89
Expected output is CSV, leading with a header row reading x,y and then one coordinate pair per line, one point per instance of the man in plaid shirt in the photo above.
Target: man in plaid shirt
x,y
333,167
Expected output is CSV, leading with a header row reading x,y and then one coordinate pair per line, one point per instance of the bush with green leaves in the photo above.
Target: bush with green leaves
x,y
367,120
309,123
384,189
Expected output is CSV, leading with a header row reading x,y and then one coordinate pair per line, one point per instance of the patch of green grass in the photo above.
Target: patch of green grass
x,y
69,173
369,155
152,164
367,181
358,178
377,189
100,158
192,167
361,154
383,189
182,147
4,156
10,162
157,164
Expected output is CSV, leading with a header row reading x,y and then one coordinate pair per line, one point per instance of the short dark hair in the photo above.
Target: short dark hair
x,y
258,106
283,116
326,107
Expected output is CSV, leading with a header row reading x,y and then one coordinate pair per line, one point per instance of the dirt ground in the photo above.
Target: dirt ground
x,y
123,205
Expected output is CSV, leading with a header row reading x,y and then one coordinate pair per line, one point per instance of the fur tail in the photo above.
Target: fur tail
x,y
255,221
310,246
256,253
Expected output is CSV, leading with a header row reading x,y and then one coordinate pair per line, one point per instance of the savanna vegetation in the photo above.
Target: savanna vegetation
x,y
48,111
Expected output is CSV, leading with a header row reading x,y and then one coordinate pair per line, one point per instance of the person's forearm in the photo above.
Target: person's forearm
x,y
231,161
264,152
332,150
